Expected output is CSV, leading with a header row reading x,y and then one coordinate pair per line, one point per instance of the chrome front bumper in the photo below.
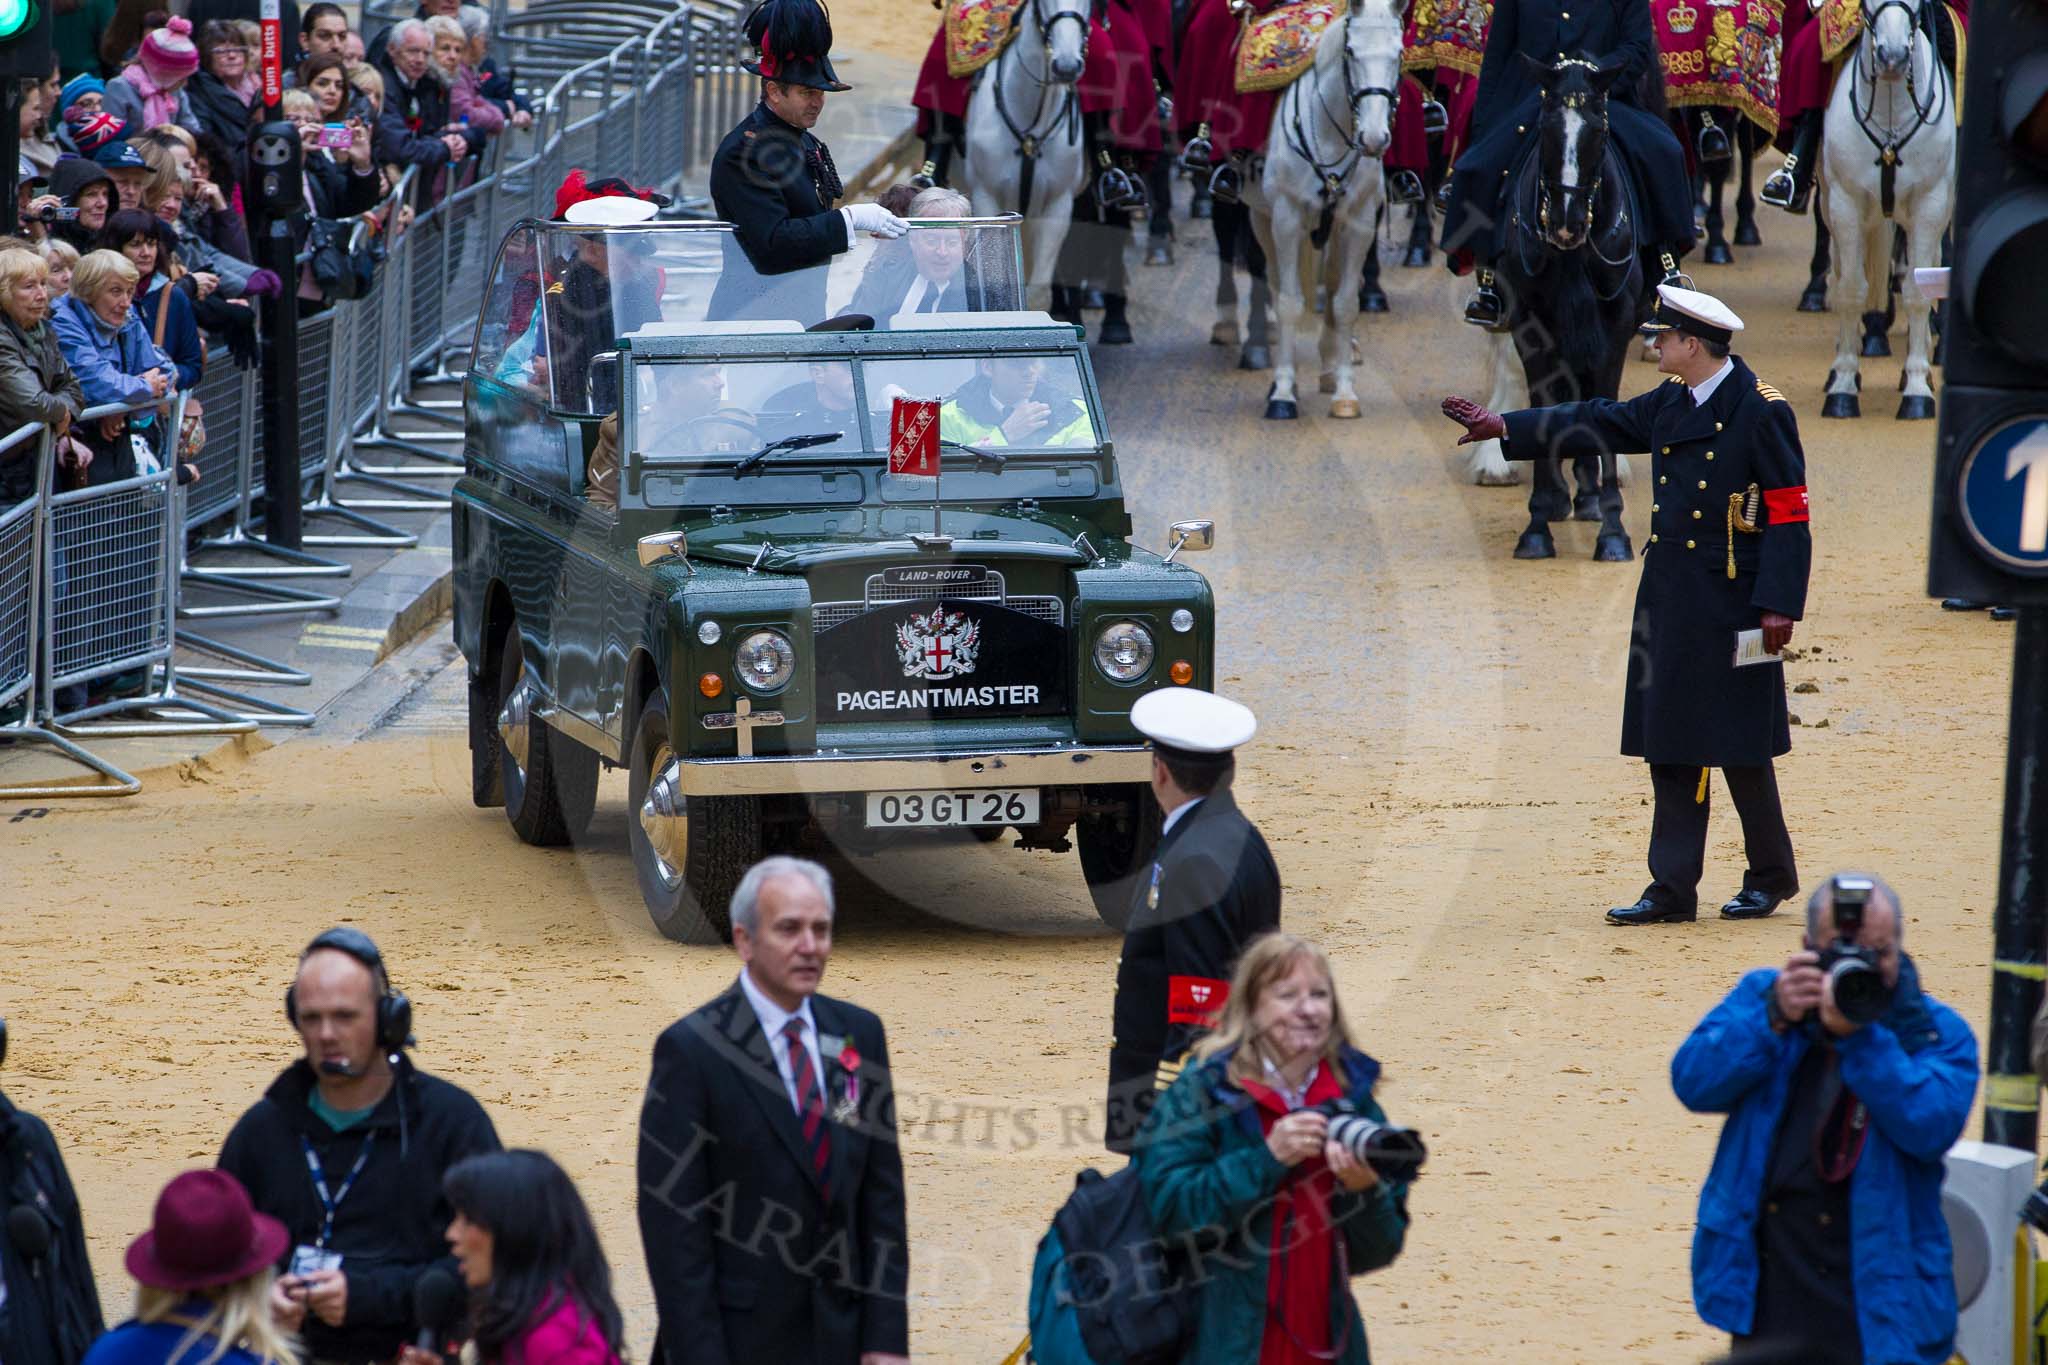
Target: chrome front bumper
x,y
1072,767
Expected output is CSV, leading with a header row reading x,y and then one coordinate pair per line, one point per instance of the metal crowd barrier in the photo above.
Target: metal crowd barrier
x,y
94,582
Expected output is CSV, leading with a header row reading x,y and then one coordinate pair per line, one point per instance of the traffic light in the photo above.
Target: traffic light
x,y
25,38
1990,533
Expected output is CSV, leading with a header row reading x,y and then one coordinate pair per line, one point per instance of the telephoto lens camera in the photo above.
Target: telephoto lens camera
x,y
1393,1152
2034,1213
1860,992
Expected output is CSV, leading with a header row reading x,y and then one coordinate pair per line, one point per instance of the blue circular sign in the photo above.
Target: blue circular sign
x,y
2003,494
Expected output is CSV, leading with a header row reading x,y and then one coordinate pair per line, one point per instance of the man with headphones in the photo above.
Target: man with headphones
x,y
347,1149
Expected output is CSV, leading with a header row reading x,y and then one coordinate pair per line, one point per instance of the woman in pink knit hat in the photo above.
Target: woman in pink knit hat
x,y
151,90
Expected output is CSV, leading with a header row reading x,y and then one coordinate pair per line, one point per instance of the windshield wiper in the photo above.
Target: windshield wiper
x,y
815,438
994,457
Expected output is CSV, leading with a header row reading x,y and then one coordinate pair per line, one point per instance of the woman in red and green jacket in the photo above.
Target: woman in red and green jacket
x,y
1239,1146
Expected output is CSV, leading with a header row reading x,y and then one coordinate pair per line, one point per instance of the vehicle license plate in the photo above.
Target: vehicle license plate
x,y
975,806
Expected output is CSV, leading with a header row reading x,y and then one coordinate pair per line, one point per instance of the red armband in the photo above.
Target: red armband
x,y
1195,999
1786,504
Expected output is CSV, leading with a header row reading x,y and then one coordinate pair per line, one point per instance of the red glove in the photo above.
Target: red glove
x,y
1481,424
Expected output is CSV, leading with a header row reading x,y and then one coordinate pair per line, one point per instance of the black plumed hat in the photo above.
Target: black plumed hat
x,y
794,38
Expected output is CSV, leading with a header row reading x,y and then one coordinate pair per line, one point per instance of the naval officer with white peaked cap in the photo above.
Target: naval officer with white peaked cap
x,y
1210,888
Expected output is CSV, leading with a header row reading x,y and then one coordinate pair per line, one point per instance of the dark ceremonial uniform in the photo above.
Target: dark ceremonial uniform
x,y
1211,889
1706,575
1614,33
775,184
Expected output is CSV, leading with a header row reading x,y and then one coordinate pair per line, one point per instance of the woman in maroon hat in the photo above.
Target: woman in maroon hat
x,y
204,1273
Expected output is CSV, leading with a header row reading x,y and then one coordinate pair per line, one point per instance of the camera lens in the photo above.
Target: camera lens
x,y
1393,1153
2034,1212
1860,992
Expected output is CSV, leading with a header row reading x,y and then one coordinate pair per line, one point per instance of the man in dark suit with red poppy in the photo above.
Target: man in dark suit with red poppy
x,y
771,1184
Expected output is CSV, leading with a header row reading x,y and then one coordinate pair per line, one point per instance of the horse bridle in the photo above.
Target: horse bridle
x,y
1033,133
1592,193
1894,142
1336,174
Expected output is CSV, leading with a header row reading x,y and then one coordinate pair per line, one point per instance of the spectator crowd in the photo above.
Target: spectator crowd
x,y
133,260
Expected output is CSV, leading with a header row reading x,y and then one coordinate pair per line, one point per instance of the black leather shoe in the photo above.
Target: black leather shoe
x,y
1751,904
2005,613
1962,604
1647,911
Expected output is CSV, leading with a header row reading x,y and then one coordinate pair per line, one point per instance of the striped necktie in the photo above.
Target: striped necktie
x,y
810,1105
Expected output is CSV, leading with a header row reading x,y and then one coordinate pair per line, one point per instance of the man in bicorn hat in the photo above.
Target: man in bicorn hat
x,y
774,181
1724,579
1210,889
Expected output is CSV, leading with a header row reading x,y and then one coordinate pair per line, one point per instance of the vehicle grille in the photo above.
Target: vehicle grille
x,y
825,615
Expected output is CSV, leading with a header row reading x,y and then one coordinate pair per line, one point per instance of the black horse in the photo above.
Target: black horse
x,y
1576,287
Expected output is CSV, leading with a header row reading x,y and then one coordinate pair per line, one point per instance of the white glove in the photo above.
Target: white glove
x,y
872,218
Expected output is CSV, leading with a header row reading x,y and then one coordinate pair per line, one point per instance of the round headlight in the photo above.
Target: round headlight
x,y
1182,620
709,632
765,660
1123,651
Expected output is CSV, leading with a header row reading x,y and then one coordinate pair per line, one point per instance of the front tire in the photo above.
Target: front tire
x,y
1116,849
549,781
689,852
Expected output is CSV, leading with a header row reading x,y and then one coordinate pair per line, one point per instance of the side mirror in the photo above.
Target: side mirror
x,y
606,367
663,545
1190,536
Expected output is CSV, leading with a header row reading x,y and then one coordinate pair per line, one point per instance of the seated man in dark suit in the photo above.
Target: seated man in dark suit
x,y
771,1184
824,402
923,274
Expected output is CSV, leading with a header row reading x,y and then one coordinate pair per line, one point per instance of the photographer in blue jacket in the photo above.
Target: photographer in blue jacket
x,y
1844,1085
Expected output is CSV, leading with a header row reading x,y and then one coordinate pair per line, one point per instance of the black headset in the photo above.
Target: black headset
x,y
394,1011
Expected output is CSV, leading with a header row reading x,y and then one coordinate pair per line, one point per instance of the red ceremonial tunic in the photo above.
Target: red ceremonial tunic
x,y
1205,86
1300,1272
1410,150
938,92
1118,76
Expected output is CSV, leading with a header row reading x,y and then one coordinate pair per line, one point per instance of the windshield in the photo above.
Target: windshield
x,y
706,408
691,279
740,406
1027,402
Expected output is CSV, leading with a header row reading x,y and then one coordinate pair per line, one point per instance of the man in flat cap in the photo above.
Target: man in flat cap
x,y
1728,556
774,181
1211,888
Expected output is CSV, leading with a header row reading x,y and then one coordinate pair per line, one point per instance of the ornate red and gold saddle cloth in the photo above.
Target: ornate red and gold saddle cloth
x,y
1275,47
1722,54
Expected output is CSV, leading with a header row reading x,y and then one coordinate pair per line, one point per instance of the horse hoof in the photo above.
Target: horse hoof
x,y
1916,408
1198,204
1535,545
1718,254
1160,252
1814,300
1091,299
1116,333
1841,405
1281,410
1327,384
1747,235
1224,334
1372,300
1344,407
1416,259
1255,356
1876,343
1586,507
1614,549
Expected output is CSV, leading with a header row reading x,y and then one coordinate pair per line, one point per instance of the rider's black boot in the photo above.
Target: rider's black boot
x,y
938,151
1485,308
1790,187
1226,184
1672,274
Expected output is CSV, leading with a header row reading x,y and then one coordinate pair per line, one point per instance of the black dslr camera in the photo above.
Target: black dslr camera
x,y
1394,1153
1860,992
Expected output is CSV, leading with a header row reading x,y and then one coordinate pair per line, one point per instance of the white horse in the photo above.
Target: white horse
x,y
1508,385
1022,152
1889,153
1322,179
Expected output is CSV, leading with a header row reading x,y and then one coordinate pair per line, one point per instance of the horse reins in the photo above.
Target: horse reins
x,y
1592,193
1889,147
1334,175
1030,137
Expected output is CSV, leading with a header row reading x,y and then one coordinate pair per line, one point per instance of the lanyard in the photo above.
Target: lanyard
x,y
331,1202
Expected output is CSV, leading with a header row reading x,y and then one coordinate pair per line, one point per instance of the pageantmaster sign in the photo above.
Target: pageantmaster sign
x,y
1017,663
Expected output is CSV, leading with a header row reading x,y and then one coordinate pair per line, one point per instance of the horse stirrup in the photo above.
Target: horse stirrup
x,y
1405,187
1115,189
1436,120
1713,140
1225,184
927,175
1199,152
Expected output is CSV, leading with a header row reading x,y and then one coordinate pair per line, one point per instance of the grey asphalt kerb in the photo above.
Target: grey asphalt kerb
x,y
391,597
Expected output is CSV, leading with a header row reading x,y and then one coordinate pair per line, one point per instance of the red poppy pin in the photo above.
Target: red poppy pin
x,y
849,1104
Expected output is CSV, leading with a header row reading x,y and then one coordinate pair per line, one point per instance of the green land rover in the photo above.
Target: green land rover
x,y
679,549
